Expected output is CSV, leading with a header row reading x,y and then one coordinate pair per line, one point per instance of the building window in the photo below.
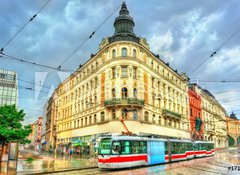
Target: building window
x,y
124,71
114,53
134,53
95,118
113,114
191,114
153,118
74,124
165,121
102,116
159,120
113,93
124,52
90,120
114,72
124,92
78,123
146,116
85,121
134,72
135,93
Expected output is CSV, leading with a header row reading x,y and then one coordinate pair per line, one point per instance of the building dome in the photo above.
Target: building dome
x,y
124,25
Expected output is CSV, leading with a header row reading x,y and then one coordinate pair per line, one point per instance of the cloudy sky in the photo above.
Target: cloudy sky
x,y
184,33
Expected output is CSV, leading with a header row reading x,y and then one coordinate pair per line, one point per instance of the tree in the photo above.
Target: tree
x,y
11,128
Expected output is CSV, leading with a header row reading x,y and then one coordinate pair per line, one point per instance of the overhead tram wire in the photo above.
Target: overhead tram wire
x,y
89,37
218,81
31,89
33,83
215,52
29,62
30,20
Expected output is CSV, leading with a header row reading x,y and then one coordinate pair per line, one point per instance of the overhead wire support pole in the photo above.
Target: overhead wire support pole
x,y
30,20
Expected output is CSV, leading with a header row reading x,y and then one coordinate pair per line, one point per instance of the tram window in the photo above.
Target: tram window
x,y
125,148
116,148
139,147
136,147
104,146
143,145
166,147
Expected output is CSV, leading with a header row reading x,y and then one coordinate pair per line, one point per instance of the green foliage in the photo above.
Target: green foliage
x,y
230,141
29,160
11,128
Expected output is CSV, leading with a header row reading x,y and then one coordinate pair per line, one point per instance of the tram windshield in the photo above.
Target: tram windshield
x,y
104,146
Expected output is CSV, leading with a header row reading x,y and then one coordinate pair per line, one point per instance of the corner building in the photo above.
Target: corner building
x,y
124,79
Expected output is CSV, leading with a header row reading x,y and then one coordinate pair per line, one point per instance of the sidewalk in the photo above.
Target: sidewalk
x,y
48,163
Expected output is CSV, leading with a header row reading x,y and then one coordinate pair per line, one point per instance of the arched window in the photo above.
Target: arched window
x,y
95,118
159,120
153,118
114,114
146,116
135,93
124,92
134,53
90,120
113,93
114,53
124,52
102,116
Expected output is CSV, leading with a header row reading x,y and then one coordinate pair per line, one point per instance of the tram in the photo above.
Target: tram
x,y
203,148
116,152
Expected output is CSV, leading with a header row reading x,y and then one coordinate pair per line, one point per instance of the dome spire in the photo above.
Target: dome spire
x,y
124,25
124,22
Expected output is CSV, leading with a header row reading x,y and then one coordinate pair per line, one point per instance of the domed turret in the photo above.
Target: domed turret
x,y
124,25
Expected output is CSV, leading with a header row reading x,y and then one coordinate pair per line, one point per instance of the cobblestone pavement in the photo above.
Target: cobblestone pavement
x,y
222,163
48,163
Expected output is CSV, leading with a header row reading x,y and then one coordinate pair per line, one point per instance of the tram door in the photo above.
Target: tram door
x,y
156,152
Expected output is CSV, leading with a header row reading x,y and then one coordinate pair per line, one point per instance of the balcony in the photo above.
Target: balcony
x,y
171,114
124,102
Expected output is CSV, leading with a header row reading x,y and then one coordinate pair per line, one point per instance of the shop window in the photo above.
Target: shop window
x,y
102,116
146,116
114,114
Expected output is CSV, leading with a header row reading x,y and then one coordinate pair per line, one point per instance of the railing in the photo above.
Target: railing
x,y
171,114
124,101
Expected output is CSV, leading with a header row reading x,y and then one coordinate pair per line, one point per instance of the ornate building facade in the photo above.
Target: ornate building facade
x,y
195,111
124,79
233,130
214,116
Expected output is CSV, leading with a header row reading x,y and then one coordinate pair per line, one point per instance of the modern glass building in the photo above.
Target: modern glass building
x,y
8,87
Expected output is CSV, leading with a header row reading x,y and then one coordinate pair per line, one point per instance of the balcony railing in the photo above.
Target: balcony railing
x,y
124,101
171,114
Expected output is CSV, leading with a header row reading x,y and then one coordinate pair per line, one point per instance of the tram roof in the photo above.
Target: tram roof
x,y
122,137
203,142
